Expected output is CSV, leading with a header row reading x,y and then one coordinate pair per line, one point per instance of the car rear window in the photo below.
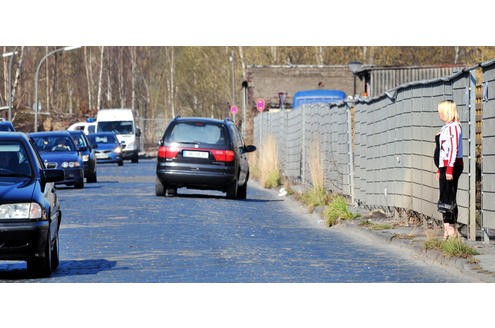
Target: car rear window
x,y
197,132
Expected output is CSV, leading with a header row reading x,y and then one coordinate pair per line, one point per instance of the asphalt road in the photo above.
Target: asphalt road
x,y
117,230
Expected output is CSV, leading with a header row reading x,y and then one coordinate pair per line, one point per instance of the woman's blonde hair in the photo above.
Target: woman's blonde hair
x,y
449,109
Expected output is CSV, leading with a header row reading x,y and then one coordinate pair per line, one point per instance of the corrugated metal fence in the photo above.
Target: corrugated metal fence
x,y
388,162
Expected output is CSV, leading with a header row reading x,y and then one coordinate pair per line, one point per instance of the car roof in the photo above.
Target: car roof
x,y
199,119
50,133
7,123
75,131
13,136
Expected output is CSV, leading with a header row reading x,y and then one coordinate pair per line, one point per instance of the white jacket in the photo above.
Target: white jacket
x,y
450,146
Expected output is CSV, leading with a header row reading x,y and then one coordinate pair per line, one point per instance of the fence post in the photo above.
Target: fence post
x,y
351,154
472,154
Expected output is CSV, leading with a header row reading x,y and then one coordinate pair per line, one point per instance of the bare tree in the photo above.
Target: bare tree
x,y
100,79
89,75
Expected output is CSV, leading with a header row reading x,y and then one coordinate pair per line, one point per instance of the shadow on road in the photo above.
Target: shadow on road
x,y
18,271
213,196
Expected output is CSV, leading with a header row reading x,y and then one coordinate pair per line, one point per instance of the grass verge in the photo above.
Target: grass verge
x,y
453,247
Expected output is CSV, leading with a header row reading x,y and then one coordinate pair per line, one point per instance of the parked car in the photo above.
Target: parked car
x,y
107,147
57,149
86,153
30,213
202,153
6,126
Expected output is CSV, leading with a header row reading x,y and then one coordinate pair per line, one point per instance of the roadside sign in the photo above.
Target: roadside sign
x,y
260,104
233,109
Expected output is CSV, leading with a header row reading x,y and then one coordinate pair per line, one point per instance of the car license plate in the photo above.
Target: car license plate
x,y
195,154
101,156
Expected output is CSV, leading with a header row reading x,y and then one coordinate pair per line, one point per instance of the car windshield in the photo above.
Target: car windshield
x,y
197,132
104,139
54,143
79,140
119,127
13,160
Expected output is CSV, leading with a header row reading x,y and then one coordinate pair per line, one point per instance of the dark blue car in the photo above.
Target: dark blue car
x,y
86,153
30,213
6,126
107,147
57,149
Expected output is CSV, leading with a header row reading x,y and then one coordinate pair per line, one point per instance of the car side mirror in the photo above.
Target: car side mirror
x,y
51,175
138,132
84,148
249,148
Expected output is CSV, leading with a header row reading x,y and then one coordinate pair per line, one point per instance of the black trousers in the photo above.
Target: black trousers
x,y
448,192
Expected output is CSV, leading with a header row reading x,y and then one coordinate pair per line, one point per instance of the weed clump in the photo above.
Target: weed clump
x,y
337,210
453,247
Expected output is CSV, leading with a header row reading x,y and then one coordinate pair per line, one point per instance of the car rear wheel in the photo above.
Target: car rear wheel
x,y
232,190
242,191
159,188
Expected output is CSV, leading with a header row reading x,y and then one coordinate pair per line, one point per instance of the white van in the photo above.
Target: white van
x,y
121,121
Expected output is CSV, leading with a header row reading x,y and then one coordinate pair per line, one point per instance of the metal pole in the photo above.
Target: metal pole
x,y
472,154
351,155
244,88
233,80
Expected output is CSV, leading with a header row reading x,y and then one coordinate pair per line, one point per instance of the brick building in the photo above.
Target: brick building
x,y
268,81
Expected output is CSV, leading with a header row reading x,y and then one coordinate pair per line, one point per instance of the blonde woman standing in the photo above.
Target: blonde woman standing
x,y
450,165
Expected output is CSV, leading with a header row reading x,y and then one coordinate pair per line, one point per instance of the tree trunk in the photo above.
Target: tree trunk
x,y
133,77
100,79
89,76
17,76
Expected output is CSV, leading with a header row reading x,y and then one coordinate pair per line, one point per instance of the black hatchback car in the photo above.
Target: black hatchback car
x,y
30,213
202,153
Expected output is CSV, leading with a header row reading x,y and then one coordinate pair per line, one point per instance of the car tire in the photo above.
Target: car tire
x,y
135,159
242,191
55,259
79,184
232,190
91,178
41,266
159,188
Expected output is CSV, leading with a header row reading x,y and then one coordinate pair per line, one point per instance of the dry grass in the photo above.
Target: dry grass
x,y
316,195
267,166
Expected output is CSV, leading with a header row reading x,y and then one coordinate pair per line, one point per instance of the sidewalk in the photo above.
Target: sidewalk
x,y
411,236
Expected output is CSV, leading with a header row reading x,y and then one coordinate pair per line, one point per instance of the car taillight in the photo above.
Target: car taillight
x,y
223,155
168,152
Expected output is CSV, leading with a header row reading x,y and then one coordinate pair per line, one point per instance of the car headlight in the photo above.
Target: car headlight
x,y
70,164
85,158
117,150
21,211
